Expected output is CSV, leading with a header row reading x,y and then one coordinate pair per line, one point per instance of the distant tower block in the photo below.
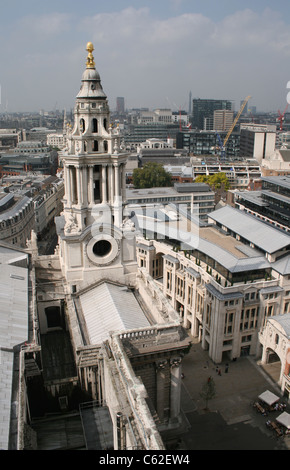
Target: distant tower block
x,y
120,105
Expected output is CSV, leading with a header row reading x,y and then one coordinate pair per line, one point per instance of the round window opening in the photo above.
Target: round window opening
x,y
102,248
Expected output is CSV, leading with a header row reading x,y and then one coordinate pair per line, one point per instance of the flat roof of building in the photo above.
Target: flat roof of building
x,y
176,190
252,196
227,251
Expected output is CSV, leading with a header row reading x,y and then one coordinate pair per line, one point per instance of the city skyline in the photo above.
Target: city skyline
x,y
151,53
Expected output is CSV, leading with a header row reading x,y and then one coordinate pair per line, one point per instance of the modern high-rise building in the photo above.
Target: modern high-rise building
x,y
257,141
203,109
190,103
222,120
120,105
207,142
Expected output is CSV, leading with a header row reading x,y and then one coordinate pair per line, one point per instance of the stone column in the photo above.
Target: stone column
x,y
67,182
72,184
175,387
160,386
124,182
85,185
104,183
117,181
79,192
111,182
91,185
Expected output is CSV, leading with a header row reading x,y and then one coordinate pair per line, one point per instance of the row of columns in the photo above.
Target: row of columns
x,y
79,183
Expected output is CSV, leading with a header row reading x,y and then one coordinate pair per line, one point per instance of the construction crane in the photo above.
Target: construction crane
x,y
281,117
223,147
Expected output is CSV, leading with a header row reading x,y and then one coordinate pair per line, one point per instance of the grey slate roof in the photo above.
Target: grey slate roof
x,y
263,236
192,241
282,266
18,206
220,296
13,329
284,321
110,308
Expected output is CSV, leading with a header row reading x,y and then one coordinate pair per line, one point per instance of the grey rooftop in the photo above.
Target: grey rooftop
x,y
263,236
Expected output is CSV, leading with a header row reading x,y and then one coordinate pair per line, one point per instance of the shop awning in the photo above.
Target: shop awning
x,y
268,397
284,418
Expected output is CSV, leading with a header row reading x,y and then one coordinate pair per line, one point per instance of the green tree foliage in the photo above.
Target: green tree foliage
x,y
217,181
152,175
208,391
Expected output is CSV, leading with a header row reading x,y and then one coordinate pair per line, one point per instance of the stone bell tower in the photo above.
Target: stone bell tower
x,y
94,240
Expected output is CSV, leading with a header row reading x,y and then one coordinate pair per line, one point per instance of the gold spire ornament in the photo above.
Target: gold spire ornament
x,y
90,58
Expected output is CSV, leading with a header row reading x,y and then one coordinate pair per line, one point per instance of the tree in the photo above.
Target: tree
x,y
208,391
152,175
217,181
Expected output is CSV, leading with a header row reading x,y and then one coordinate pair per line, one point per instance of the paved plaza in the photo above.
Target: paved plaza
x,y
231,422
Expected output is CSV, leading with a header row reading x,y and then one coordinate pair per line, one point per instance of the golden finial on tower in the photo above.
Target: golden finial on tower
x,y
90,58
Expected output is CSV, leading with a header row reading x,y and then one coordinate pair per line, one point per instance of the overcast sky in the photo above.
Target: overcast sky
x,y
151,52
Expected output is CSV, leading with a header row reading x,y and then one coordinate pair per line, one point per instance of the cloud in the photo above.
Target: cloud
x,y
153,58
146,58
49,25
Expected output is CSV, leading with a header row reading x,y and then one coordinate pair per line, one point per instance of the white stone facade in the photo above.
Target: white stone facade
x,y
95,182
226,318
47,206
275,340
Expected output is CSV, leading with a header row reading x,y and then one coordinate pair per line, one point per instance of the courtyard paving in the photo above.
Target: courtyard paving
x,y
231,422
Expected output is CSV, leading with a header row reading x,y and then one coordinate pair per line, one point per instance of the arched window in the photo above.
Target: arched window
x,y
95,146
82,125
105,124
95,126
105,146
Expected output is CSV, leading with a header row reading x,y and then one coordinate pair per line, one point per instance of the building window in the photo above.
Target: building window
x,y
169,280
95,126
246,339
82,125
229,323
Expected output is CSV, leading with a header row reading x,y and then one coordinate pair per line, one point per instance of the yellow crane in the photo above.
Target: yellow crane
x,y
233,126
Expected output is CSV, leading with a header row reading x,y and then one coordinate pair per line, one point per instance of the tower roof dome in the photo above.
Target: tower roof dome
x,y
91,82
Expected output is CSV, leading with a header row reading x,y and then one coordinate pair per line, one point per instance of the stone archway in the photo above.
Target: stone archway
x,y
272,365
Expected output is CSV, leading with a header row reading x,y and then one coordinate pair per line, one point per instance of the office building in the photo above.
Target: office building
x,y
222,120
120,102
271,203
226,279
257,141
203,110
208,143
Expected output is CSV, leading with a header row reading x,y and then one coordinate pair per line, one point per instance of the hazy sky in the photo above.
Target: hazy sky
x,y
152,52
